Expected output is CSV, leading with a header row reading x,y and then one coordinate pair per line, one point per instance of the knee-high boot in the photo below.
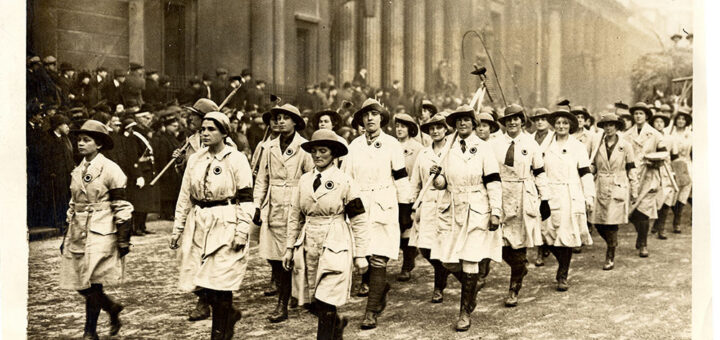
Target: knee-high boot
x,y
224,315
202,308
409,254
659,224
284,278
517,260
330,325
364,284
272,288
92,313
468,296
111,307
677,216
642,225
377,297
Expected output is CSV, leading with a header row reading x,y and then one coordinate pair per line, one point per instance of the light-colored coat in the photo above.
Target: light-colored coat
x,y
324,245
568,194
411,149
471,202
206,257
650,192
372,167
90,252
616,182
423,233
588,138
521,190
668,191
278,175
682,147
545,143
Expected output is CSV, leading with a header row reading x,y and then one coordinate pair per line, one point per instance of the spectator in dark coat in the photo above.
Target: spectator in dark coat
x,y
361,78
57,165
36,200
206,88
152,93
257,97
307,100
164,143
193,92
65,83
220,85
85,93
134,84
100,80
112,91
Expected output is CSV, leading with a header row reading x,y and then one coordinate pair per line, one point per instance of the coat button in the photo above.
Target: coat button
x,y
83,234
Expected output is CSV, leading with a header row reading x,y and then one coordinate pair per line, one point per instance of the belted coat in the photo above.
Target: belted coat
x,y
615,182
645,141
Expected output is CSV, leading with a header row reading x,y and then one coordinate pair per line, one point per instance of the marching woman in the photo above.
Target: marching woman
x,y
406,130
616,184
682,163
282,164
667,198
487,126
319,239
471,177
543,135
424,229
571,193
213,219
98,236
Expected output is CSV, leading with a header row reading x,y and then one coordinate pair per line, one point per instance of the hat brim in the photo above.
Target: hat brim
x,y
453,117
334,117
105,140
432,108
425,128
574,124
337,148
665,119
412,126
619,124
646,110
372,107
521,114
299,121
494,126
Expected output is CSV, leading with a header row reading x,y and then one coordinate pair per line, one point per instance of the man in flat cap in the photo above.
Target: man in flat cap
x,y
57,164
134,84
220,85
67,78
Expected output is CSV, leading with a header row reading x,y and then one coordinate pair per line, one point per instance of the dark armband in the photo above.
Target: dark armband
x,y
244,195
674,156
491,178
398,174
629,166
537,172
117,194
661,149
354,208
583,171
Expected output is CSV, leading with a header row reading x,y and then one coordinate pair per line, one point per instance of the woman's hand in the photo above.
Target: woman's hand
x,y
435,170
287,259
361,264
239,242
494,222
174,241
588,207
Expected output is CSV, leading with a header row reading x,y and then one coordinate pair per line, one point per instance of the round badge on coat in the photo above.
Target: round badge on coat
x,y
329,185
217,170
473,150
87,178
289,152
564,151
378,144
524,152
620,148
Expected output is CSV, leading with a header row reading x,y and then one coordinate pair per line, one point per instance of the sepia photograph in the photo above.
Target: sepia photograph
x,y
361,169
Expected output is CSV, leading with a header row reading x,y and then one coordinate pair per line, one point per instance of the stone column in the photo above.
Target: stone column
x,y
393,41
415,45
434,12
345,41
279,42
261,40
554,54
370,37
453,39
136,31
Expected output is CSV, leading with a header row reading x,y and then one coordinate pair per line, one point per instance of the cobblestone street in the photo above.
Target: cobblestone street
x,y
640,299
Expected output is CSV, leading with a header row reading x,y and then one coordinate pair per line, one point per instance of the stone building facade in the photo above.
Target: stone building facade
x,y
576,49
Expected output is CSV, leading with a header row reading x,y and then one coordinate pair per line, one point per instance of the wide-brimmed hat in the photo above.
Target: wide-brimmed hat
x,y
404,118
334,117
371,105
540,112
685,112
511,111
662,115
328,138
666,107
429,105
167,117
219,118
66,67
97,131
642,107
462,111
291,111
203,106
580,110
437,119
574,124
611,118
486,117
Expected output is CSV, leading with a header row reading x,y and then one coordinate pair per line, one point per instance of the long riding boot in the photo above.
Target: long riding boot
x,y
539,259
272,288
563,255
136,224
642,225
468,296
659,223
377,297
483,272
284,290
111,307
517,260
217,330
364,284
327,319
202,308
440,275
409,254
677,217
92,313
230,315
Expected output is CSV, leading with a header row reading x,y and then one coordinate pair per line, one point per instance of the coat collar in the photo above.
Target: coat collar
x,y
328,182
555,148
94,169
292,149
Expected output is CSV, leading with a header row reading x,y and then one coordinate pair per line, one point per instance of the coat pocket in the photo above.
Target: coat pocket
x,y
479,218
101,222
385,202
334,258
620,192
279,206
77,234
531,203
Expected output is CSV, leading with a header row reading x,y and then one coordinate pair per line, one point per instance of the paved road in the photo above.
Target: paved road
x,y
641,299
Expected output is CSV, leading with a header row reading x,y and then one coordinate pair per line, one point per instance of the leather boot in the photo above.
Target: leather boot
x,y
660,222
377,297
272,288
340,324
364,285
515,285
113,309
440,275
539,261
677,216
468,295
609,259
327,317
219,317
232,316
202,308
280,313
92,313
408,264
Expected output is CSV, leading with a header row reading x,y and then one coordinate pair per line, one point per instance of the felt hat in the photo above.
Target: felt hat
x,y
371,105
580,110
66,67
328,138
245,72
486,117
461,111
97,131
119,73
408,121
511,111
565,113
642,107
334,117
291,111
135,66
49,60
426,104
434,120
665,116
611,118
540,112
202,106
221,70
